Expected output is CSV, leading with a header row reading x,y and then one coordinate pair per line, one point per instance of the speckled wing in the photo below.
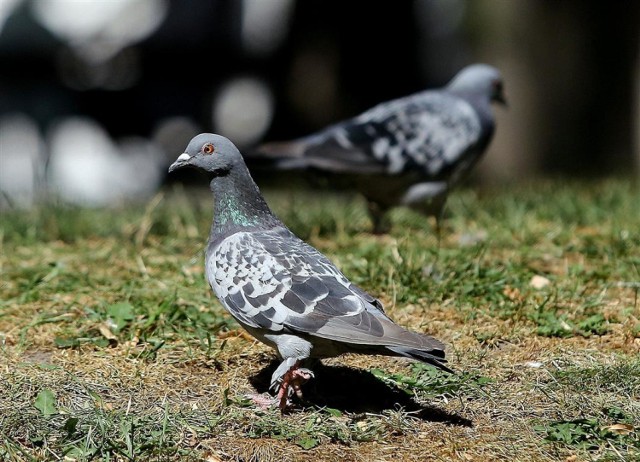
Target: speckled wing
x,y
428,132
273,281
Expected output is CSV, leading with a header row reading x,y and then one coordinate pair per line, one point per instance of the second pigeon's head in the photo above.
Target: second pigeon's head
x,y
479,79
210,153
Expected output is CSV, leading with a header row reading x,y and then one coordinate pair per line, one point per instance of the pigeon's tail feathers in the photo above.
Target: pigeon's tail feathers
x,y
284,149
432,357
291,164
280,155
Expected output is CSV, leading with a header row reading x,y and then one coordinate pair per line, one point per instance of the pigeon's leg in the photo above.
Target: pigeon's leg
x,y
378,217
299,377
428,198
439,216
288,379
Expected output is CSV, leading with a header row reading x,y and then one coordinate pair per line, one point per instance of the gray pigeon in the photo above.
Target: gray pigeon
x,y
410,151
281,290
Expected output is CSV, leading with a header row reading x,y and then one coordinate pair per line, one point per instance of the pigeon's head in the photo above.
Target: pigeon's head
x,y
479,79
210,153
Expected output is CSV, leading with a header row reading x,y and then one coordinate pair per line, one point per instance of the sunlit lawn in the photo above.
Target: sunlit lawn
x,y
112,346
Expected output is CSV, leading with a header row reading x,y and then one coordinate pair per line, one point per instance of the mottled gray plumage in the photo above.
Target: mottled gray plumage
x,y
283,291
409,151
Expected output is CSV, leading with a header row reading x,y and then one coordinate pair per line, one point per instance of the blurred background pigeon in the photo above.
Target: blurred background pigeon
x,y
409,151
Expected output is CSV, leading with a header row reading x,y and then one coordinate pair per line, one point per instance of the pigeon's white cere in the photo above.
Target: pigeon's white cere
x,y
184,156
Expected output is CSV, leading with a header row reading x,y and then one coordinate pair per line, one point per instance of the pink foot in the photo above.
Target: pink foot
x,y
291,382
299,378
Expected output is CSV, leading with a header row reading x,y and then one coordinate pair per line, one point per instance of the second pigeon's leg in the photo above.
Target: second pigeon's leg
x,y
428,198
378,217
439,216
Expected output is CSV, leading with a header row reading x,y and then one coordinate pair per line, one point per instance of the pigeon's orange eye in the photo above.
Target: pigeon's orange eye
x,y
208,148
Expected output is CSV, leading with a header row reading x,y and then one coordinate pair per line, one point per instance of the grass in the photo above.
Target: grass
x,y
112,346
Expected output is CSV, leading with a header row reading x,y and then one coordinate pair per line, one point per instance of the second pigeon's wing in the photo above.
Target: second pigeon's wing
x,y
428,132
274,281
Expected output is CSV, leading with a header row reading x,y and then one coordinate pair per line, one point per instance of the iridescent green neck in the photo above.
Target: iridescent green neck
x,y
238,202
230,210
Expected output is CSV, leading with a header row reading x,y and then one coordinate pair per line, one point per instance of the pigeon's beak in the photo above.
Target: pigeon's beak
x,y
182,161
502,100
497,92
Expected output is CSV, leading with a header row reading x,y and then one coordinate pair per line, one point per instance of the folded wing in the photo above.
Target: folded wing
x,y
272,280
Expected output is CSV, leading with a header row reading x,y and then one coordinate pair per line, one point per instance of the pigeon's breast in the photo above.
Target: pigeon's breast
x,y
254,282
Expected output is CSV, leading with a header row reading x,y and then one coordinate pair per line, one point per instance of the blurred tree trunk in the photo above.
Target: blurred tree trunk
x,y
587,85
577,62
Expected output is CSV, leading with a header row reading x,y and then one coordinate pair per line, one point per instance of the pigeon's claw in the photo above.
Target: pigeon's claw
x,y
291,382
278,375
300,376
303,373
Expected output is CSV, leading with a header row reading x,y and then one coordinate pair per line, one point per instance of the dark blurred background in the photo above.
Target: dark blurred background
x,y
98,97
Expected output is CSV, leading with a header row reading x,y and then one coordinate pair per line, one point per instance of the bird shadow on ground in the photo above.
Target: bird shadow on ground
x,y
357,391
